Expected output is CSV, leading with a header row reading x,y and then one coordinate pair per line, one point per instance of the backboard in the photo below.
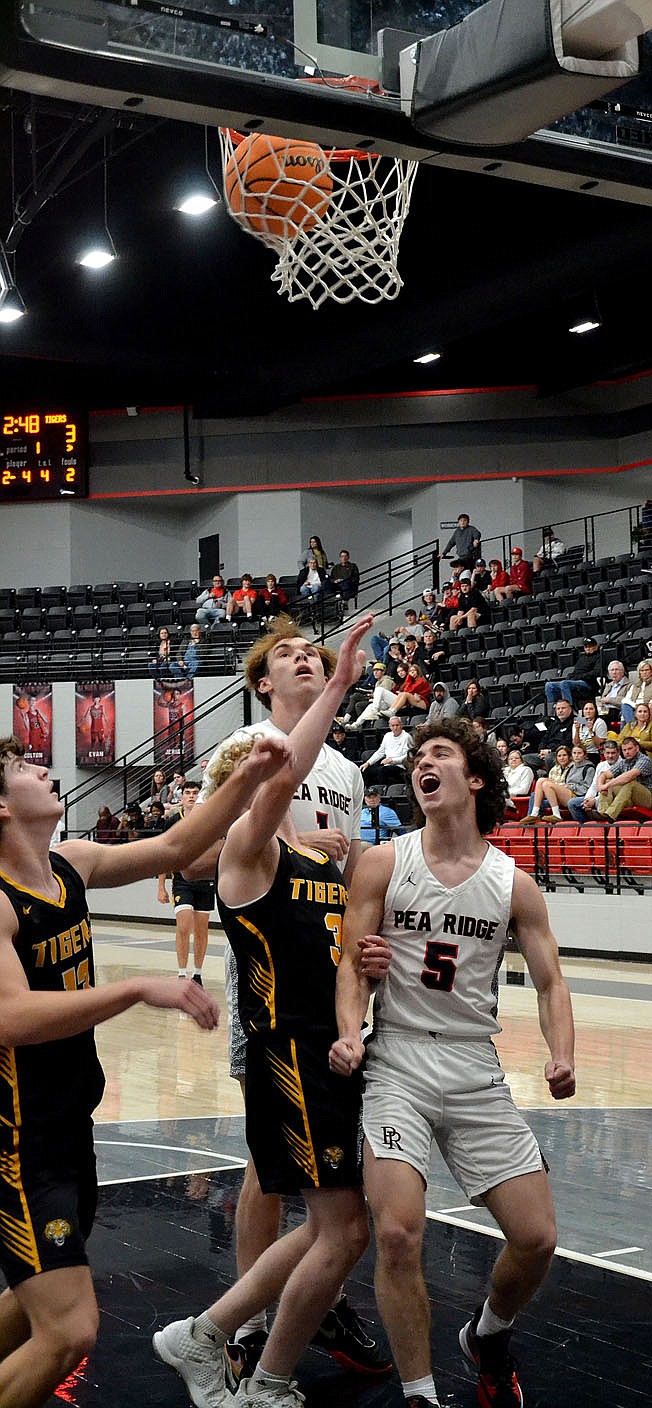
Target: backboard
x,y
248,63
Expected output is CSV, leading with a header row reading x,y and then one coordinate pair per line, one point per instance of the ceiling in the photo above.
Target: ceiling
x,y
187,313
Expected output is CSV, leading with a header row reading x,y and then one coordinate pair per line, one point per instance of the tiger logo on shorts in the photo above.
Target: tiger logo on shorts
x,y
57,1231
333,1156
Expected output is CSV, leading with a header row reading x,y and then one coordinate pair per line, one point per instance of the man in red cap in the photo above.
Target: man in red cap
x,y
520,578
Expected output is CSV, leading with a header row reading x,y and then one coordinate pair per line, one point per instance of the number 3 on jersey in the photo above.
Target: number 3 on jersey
x,y
440,968
333,923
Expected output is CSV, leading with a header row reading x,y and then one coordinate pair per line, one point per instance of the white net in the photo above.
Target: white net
x,y
333,219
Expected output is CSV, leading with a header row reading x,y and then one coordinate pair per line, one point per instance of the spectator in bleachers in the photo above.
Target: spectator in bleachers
x,y
155,819
412,651
428,613
106,826
473,609
583,808
640,692
558,731
339,741
520,578
434,652
162,665
551,792
466,541
483,731
272,600
212,603
573,786
311,579
362,693
377,820
314,549
395,657
443,706
640,728
412,693
243,599
132,823
192,652
498,577
610,701
475,704
582,683
387,764
481,576
590,730
503,748
551,548
159,790
409,626
176,788
518,776
627,784
379,706
450,600
344,577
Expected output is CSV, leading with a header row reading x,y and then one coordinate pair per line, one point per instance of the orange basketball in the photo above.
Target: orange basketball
x,y
277,187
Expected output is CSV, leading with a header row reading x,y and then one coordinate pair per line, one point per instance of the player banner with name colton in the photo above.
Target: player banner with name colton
x,y
33,721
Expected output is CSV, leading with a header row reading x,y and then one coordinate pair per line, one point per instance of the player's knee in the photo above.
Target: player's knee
x,y
537,1244
398,1239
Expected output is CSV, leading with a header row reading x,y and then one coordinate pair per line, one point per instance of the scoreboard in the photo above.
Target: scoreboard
x,y
43,455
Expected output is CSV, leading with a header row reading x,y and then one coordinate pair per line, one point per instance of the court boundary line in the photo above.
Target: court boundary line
x,y
563,1252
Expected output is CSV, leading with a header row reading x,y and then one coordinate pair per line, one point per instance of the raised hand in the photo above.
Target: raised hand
x,y
351,661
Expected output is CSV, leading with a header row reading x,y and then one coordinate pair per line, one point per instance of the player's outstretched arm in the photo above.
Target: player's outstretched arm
x,y
538,945
119,865
28,1018
254,832
362,918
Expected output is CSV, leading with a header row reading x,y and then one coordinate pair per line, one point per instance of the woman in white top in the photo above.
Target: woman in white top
x,y
590,730
518,776
638,693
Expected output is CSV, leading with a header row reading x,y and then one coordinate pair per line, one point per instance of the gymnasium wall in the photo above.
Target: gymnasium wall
x,y
378,475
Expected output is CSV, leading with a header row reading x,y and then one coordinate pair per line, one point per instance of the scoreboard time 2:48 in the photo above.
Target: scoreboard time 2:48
x,y
43,455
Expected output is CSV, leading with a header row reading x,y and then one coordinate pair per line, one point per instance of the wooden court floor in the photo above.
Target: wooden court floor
x,y
170,1145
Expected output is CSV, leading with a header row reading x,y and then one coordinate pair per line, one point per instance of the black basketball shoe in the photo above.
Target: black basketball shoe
x,y
498,1385
343,1335
241,1357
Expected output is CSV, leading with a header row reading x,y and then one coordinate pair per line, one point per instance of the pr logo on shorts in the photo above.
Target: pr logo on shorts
x,y
57,1231
392,1138
333,1156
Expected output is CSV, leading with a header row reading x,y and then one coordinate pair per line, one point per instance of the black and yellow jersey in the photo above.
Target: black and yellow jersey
x,y
52,1082
287,945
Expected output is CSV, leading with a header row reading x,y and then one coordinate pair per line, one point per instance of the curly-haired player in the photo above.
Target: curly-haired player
x,y
439,904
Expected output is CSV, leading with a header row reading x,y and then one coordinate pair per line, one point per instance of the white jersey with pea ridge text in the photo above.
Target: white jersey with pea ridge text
x,y
331,796
447,945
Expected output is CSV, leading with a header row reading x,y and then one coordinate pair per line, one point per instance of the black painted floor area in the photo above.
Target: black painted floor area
x,y
163,1249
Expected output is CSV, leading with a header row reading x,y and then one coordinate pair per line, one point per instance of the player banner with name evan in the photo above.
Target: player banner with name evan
x,y
95,723
33,721
174,728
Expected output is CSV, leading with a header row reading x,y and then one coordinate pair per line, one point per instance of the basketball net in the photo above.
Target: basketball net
x,y
348,251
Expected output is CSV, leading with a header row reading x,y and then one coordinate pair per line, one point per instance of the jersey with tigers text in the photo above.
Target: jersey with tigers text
x,y
447,945
287,946
51,1082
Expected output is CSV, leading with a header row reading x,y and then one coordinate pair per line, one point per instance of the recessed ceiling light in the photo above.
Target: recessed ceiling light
x,y
428,357
586,325
97,258
197,204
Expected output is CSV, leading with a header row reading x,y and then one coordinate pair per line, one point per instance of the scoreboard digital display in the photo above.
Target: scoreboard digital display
x,y
43,455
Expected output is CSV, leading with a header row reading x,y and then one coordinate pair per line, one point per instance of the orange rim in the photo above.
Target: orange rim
x,y
352,84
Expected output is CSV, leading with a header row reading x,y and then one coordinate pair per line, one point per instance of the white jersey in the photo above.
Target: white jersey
x,y
331,796
447,945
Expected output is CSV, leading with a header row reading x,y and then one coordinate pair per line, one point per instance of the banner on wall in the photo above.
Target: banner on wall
x,y
33,721
95,723
174,729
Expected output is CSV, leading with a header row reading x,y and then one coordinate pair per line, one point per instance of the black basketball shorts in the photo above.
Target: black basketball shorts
x,y
303,1122
193,894
48,1198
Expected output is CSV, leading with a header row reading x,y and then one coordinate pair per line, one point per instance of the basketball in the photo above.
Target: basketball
x,y
277,187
